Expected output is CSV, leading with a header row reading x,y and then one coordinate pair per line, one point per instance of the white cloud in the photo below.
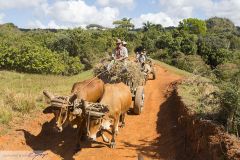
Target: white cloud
x,y
155,18
184,8
179,9
10,4
73,13
125,3
1,17
51,24
227,9
36,24
173,11
78,12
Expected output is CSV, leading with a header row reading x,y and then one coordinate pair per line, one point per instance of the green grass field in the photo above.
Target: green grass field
x,y
22,93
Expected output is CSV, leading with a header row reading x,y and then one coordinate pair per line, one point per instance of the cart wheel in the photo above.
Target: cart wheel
x,y
139,100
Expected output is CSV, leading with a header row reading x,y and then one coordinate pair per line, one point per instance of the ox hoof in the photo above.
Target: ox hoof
x,y
78,148
122,125
74,126
105,139
112,145
84,138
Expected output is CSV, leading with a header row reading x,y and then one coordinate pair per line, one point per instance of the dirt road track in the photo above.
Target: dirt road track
x,y
154,134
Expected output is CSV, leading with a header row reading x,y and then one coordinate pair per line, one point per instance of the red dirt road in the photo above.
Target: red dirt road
x,y
154,134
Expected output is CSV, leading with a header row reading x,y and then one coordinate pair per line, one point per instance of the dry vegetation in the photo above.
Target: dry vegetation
x,y
22,93
201,96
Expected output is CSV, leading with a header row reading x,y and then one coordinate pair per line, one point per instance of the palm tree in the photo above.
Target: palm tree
x,y
124,23
147,25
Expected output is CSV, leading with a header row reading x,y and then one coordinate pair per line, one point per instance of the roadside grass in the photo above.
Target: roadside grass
x,y
21,93
200,96
173,69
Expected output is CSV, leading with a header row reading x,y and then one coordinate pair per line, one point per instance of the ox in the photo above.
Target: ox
x,y
118,99
89,90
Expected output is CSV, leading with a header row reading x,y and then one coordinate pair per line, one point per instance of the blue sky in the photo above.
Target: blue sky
x,y
75,13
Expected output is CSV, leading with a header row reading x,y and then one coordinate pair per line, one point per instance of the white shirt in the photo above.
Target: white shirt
x,y
119,53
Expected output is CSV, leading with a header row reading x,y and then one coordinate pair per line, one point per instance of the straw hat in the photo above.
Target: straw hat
x,y
124,43
118,41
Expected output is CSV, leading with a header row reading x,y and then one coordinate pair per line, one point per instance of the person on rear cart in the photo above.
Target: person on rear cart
x,y
142,58
137,56
124,43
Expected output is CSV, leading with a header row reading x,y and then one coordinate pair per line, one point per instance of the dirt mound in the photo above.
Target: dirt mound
x,y
205,138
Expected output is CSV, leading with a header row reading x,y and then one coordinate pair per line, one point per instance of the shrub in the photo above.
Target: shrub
x,y
192,63
162,55
36,59
226,71
5,113
214,49
19,102
230,103
201,96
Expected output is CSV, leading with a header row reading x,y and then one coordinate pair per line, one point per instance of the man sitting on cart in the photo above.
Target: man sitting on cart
x,y
120,53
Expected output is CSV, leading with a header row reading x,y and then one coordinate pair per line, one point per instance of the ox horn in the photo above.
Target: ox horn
x,y
84,106
73,98
48,94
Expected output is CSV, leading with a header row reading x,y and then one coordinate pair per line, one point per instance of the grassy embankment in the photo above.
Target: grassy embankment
x,y
21,94
198,93
173,69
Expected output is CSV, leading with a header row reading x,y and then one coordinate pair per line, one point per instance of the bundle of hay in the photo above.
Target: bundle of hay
x,y
128,73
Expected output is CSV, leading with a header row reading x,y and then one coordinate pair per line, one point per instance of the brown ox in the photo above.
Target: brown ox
x,y
118,99
89,90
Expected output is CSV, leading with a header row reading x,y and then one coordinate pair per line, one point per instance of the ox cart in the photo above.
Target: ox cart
x,y
128,72
81,112
149,69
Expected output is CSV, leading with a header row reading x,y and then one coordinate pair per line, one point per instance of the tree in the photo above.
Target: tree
x,y
219,25
94,26
214,49
235,42
124,23
193,26
147,25
191,63
189,43
164,41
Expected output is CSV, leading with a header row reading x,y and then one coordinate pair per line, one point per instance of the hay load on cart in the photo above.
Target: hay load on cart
x,y
127,72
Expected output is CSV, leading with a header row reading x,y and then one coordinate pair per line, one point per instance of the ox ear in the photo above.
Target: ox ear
x,y
48,94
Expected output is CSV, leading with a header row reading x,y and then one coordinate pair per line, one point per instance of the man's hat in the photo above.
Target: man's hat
x,y
124,43
118,41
